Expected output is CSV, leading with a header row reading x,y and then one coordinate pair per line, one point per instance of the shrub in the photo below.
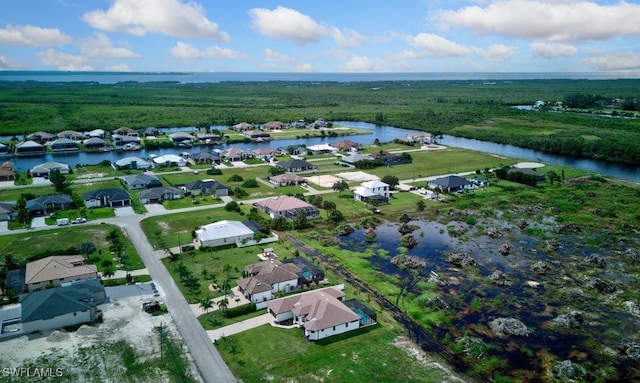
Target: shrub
x,y
214,172
250,184
241,310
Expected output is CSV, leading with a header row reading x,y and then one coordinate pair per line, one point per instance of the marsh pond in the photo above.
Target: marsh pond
x,y
517,292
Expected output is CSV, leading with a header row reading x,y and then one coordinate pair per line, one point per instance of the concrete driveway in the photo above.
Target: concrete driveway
x,y
124,211
4,226
155,208
38,222
240,326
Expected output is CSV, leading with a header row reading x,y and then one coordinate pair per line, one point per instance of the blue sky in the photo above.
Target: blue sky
x,y
321,36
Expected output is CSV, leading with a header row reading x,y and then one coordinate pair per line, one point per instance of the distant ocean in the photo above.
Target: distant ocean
x,y
202,77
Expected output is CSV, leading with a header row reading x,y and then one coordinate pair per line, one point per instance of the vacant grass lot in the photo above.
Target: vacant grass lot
x,y
24,245
365,355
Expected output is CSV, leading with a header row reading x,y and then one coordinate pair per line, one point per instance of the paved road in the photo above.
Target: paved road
x,y
210,364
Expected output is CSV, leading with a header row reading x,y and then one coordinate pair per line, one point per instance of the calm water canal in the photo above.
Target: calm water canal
x,y
381,132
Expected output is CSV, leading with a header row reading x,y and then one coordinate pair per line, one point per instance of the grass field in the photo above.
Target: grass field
x,y
365,355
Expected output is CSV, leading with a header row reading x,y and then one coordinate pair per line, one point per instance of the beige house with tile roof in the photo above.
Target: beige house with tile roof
x,y
321,313
57,270
266,278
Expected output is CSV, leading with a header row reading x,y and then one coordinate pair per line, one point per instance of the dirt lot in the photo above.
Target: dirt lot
x,y
94,353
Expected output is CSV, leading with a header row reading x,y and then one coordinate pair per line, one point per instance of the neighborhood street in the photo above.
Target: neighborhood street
x,y
209,362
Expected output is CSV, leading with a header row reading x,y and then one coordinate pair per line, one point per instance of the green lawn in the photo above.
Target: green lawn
x,y
268,354
38,243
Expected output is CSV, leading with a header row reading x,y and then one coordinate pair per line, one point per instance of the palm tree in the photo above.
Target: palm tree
x,y
206,304
223,304
226,268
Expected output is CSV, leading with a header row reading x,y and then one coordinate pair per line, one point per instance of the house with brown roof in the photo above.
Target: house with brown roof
x,y
243,126
287,179
345,145
287,207
266,154
236,154
271,125
266,278
7,172
57,270
70,134
321,313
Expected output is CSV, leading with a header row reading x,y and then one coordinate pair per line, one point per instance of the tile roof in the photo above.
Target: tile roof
x,y
299,301
113,194
47,304
327,312
56,267
267,273
282,203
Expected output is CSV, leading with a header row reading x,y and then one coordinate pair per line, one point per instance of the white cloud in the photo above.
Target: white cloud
x,y
350,39
9,63
31,36
100,45
497,52
438,45
169,17
568,21
287,23
357,63
273,60
185,51
64,61
551,51
115,67
613,61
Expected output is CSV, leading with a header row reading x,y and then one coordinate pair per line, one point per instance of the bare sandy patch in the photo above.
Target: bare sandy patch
x,y
358,176
425,359
326,180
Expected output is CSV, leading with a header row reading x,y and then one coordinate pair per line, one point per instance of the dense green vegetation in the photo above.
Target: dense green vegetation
x,y
435,106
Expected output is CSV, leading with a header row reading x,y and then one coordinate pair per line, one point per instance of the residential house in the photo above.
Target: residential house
x,y
299,124
123,141
141,181
319,123
353,158
223,233
60,307
7,172
45,204
169,160
62,144
94,143
320,313
159,194
322,149
206,187
375,192
287,207
125,131
296,165
29,148
287,179
132,163
451,184
242,127
41,137
257,135
266,278
151,132
266,154
6,212
295,150
207,158
56,270
346,145
45,169
70,134
180,137
274,125
110,197
236,154
97,133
